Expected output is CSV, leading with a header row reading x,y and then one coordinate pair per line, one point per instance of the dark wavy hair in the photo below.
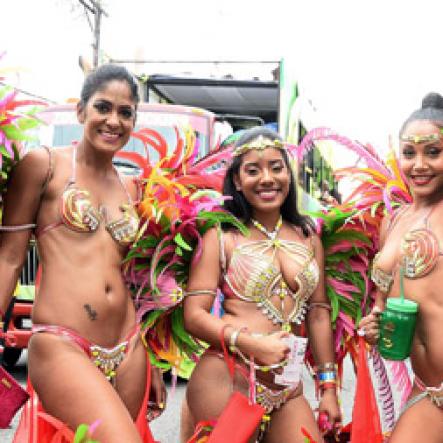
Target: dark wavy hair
x,y
241,208
431,110
98,79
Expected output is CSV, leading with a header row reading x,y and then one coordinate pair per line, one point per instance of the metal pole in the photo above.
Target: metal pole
x,y
96,44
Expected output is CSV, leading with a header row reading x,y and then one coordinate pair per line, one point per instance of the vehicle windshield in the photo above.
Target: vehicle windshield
x,y
62,129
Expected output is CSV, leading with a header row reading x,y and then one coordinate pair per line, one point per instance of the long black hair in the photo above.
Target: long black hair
x,y
240,207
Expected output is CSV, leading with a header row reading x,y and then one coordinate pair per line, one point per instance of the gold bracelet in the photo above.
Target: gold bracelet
x,y
319,305
233,339
325,367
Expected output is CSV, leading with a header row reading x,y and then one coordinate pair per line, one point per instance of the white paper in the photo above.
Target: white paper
x,y
292,371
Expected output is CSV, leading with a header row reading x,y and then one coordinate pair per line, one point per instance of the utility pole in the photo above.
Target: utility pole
x,y
94,8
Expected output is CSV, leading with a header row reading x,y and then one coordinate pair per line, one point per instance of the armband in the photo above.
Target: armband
x,y
201,292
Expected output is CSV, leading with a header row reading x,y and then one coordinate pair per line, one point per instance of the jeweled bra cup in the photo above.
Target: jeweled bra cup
x,y
124,230
382,280
419,252
77,212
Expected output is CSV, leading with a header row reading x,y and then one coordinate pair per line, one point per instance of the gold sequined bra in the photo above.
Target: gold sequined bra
x,y
419,253
253,277
79,214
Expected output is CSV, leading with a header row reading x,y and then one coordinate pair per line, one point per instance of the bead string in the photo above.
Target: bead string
x,y
272,235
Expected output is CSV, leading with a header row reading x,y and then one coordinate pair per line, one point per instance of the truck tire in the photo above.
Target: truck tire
x,y
11,356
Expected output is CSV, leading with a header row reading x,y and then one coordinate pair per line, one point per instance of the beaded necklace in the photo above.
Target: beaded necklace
x,y
272,235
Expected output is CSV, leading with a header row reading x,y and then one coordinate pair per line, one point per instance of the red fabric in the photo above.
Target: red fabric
x,y
366,427
238,420
12,397
37,426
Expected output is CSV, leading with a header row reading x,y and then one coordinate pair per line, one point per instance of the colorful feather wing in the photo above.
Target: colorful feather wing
x,y
180,202
350,236
17,118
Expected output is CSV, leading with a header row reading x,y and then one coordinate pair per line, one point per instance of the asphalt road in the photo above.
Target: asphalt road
x,y
166,427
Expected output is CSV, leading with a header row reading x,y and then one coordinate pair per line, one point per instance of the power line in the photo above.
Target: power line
x,y
29,93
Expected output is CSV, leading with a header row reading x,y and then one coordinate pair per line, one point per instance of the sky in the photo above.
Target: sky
x,y
365,65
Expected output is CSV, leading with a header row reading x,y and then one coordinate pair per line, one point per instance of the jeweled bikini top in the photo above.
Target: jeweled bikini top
x,y
252,276
419,253
78,213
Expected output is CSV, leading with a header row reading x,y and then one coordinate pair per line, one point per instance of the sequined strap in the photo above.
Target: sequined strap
x,y
17,228
50,172
395,216
435,393
221,243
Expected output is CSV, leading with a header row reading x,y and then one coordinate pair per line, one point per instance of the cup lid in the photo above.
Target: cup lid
x,y
401,305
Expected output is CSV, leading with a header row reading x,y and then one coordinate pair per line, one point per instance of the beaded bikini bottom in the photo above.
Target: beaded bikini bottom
x,y
107,360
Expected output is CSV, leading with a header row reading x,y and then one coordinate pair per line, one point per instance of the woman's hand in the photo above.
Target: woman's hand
x,y
157,394
330,418
271,349
369,326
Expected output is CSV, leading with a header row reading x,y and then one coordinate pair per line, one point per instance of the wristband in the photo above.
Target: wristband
x,y
325,366
233,339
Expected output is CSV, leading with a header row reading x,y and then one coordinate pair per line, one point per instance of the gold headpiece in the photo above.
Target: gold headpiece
x,y
415,138
260,143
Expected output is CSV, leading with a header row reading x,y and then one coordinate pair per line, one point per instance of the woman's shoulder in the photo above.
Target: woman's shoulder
x,y
36,164
305,231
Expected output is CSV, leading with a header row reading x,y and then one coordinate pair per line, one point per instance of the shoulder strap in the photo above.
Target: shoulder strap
x,y
221,242
50,173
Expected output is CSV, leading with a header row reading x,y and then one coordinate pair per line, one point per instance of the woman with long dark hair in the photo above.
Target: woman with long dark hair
x,y
271,280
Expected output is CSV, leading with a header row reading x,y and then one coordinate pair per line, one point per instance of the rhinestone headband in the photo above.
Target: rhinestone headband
x,y
259,144
415,138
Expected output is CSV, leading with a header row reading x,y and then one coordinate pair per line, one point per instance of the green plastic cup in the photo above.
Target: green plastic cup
x,y
397,327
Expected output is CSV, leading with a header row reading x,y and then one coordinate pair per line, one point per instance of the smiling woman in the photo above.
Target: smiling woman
x,y
409,264
82,212
271,279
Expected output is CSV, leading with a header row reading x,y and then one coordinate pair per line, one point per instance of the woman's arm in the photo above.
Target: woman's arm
x,y
321,342
21,204
370,324
318,320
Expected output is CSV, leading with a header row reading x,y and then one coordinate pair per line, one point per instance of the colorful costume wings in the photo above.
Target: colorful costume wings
x,y
16,119
350,236
180,200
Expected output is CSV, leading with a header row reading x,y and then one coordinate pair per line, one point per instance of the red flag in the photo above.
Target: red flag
x,y
366,427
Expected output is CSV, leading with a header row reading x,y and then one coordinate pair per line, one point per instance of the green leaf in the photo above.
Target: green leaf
x,y
81,434
181,242
14,133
